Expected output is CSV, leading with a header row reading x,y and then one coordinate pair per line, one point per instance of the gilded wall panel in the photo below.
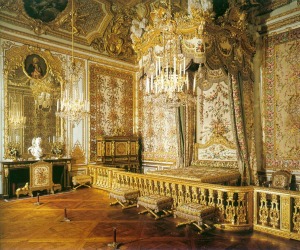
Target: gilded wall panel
x,y
282,101
111,96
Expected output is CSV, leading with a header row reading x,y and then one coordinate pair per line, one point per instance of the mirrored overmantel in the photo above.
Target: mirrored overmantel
x,y
32,85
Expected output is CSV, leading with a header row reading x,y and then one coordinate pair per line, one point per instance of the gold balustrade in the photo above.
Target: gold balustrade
x,y
277,212
240,208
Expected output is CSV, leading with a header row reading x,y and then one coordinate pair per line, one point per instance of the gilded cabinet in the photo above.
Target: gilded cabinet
x,y
119,151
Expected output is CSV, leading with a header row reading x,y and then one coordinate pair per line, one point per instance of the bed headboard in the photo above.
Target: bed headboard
x,y
217,152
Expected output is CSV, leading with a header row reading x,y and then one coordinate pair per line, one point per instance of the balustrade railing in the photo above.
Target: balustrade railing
x,y
277,212
240,208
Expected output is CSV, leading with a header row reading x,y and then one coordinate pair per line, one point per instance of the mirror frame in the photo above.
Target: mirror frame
x,y
18,80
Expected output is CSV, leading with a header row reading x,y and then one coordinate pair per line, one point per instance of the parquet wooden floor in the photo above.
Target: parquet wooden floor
x,y
25,225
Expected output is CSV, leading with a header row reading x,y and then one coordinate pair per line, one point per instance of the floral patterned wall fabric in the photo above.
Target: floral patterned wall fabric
x,y
158,127
214,139
111,98
281,116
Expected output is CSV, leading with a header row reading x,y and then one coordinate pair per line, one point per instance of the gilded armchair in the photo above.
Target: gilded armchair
x,y
280,179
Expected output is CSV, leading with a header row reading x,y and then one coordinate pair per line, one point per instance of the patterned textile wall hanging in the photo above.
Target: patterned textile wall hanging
x,y
282,101
214,139
158,127
111,98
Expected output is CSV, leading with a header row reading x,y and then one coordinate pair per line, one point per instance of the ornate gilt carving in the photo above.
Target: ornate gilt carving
x,y
241,214
230,210
116,40
263,209
220,205
296,215
274,211
78,154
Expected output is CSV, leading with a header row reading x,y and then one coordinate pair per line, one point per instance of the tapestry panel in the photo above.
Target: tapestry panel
x,y
214,139
158,127
111,98
282,101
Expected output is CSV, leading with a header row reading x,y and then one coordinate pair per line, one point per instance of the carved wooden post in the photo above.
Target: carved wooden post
x,y
141,186
162,190
195,195
174,194
274,212
156,187
188,194
168,191
263,209
285,211
241,209
203,200
211,197
230,211
296,215
220,205
180,194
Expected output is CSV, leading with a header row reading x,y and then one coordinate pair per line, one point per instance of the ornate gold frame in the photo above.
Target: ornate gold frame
x,y
17,79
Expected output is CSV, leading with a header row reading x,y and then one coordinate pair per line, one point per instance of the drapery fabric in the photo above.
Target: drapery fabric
x,y
185,120
238,118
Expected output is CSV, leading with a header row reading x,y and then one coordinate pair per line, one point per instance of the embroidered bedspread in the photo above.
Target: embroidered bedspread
x,y
202,174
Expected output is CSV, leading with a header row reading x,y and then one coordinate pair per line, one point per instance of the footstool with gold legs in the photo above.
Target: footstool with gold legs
x,y
159,206
124,196
196,214
81,180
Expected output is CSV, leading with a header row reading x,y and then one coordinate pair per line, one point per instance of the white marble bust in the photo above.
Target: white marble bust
x,y
35,148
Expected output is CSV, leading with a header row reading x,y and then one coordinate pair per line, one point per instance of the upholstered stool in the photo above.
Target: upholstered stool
x,y
56,187
124,196
81,180
195,214
155,204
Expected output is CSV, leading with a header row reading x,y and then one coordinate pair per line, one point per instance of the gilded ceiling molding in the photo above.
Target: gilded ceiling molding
x,y
116,41
37,22
80,52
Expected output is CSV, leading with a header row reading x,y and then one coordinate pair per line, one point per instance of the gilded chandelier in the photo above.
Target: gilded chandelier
x,y
166,49
72,106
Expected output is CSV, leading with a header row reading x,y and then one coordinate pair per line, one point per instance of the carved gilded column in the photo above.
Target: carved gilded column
x,y
180,194
241,210
195,194
188,194
203,196
263,209
285,210
174,194
296,216
230,211
211,197
220,206
168,189
274,211
162,190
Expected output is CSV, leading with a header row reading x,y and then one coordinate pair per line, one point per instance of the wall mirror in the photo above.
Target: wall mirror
x,y
33,80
